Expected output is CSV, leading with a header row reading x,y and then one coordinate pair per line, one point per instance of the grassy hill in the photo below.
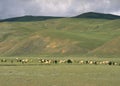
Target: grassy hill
x,y
28,18
97,16
34,36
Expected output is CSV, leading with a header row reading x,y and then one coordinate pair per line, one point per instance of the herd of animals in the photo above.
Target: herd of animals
x,y
56,61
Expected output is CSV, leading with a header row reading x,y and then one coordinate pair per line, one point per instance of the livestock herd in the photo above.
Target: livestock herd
x,y
58,61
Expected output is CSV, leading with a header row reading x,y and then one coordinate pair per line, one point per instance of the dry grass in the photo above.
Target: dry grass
x,y
59,75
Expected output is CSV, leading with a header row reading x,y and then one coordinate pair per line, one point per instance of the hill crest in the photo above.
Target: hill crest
x,y
97,16
28,18
88,15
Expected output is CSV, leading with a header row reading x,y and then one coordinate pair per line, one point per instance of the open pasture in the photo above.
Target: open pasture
x,y
55,74
60,75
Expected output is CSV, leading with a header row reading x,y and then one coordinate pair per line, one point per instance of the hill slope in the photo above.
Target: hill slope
x,y
97,16
110,48
59,36
28,18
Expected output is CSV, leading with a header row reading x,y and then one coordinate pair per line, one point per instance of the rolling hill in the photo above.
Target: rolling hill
x,y
86,34
28,18
98,16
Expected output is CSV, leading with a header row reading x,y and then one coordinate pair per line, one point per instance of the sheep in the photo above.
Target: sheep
x,y
41,60
100,62
119,64
69,61
55,61
86,62
62,61
81,62
3,60
115,63
18,60
95,62
11,61
105,62
110,63
25,61
90,62
47,61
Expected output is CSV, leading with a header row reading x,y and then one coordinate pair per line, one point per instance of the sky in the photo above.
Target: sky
x,y
15,8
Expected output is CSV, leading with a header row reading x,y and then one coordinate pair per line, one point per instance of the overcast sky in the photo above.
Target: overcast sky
x,y
14,8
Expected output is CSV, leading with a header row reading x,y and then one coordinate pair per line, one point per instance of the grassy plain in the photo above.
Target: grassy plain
x,y
60,75
36,74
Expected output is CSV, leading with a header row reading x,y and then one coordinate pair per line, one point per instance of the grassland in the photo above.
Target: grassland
x,y
37,74
93,38
60,75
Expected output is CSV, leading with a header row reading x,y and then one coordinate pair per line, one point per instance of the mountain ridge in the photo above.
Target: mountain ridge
x,y
42,18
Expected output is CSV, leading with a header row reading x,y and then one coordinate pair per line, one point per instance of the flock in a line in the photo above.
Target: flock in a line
x,y
58,61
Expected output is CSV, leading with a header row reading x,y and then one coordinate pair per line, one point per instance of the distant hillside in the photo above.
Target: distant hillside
x,y
28,18
91,15
59,36
97,16
110,48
